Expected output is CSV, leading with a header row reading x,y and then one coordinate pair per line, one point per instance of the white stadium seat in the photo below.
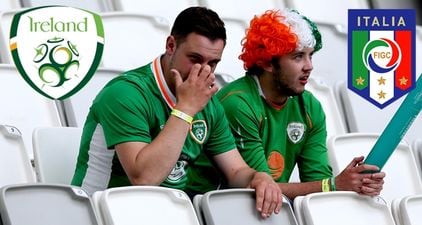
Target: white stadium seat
x,y
132,40
402,175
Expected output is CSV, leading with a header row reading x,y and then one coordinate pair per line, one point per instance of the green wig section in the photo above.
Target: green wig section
x,y
315,32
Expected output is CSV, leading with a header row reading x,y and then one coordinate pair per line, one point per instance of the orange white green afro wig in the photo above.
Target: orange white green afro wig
x,y
276,33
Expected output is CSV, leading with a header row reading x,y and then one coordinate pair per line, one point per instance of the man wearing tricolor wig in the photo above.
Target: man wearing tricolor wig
x,y
276,122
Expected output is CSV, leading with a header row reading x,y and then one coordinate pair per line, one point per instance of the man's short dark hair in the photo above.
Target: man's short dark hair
x,y
199,20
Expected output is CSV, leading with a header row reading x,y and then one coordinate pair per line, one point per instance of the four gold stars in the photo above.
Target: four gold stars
x,y
382,81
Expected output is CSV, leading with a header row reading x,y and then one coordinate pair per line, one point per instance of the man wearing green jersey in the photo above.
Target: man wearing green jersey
x,y
149,125
276,122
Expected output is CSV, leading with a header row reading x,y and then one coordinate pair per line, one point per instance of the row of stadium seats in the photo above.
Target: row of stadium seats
x,y
55,151
50,204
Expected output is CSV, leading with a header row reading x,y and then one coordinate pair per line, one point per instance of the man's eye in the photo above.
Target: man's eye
x,y
195,59
212,64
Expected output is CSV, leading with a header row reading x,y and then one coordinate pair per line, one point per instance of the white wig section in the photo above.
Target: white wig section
x,y
300,27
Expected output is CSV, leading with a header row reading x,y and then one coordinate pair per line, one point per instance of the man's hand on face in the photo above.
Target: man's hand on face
x,y
195,92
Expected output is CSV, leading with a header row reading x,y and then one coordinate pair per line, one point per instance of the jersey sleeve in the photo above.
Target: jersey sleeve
x,y
244,123
221,139
122,112
313,163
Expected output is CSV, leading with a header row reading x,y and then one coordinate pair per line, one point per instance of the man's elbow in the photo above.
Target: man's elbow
x,y
145,181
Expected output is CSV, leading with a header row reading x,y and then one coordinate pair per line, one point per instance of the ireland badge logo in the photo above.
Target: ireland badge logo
x,y
198,131
56,49
381,65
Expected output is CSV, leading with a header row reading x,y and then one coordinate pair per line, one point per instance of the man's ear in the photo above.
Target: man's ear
x,y
265,65
170,45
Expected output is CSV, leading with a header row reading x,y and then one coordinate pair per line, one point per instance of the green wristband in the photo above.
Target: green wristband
x,y
333,183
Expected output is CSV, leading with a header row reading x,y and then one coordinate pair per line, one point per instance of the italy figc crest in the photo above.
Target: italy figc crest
x,y
381,65
56,49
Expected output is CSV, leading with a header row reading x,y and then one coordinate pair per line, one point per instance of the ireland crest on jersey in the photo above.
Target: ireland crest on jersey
x,y
381,64
295,131
198,131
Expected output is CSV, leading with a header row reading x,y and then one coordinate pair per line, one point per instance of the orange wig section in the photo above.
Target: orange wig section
x,y
267,37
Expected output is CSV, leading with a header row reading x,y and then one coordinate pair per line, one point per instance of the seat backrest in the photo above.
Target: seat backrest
x,y
327,11
196,201
55,153
167,9
409,210
92,5
297,208
324,93
230,63
23,107
45,204
146,205
417,150
5,24
15,166
76,107
395,211
9,4
401,170
222,79
95,200
237,206
346,208
132,40
295,176
364,117
334,49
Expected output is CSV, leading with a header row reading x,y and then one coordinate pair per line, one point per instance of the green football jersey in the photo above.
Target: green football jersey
x,y
275,140
134,107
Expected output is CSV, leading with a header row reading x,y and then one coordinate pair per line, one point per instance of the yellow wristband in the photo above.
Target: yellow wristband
x,y
181,115
325,186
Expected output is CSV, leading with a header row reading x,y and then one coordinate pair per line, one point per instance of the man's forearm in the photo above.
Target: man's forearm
x,y
154,162
292,190
242,178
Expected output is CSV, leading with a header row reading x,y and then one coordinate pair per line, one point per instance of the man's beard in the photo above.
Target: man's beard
x,y
280,84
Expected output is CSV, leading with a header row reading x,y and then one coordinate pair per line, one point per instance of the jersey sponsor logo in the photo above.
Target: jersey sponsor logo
x,y
381,65
199,131
178,172
56,49
276,164
295,131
